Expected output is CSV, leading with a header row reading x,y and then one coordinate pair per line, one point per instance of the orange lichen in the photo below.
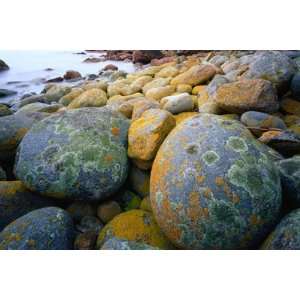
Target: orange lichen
x,y
115,131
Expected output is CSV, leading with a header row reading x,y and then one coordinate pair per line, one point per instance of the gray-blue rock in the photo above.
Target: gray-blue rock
x,y
49,228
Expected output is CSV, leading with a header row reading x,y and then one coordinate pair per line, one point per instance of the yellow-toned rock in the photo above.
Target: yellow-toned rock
x,y
141,106
290,106
119,87
142,164
246,95
96,85
135,225
90,98
147,133
126,108
198,89
184,88
195,75
184,116
67,99
295,128
169,71
138,84
290,120
155,83
146,204
160,92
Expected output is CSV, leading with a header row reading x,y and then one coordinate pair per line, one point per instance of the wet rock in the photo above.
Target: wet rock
x,y
5,93
285,142
4,111
178,103
225,191
110,67
121,244
49,228
93,60
290,180
139,181
148,132
197,74
135,225
145,56
246,95
273,66
17,201
70,75
286,235
79,154
55,79
3,66
89,98
108,210
12,130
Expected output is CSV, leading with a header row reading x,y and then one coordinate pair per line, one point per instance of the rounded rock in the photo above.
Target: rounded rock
x,y
216,190
49,228
79,154
286,235
135,225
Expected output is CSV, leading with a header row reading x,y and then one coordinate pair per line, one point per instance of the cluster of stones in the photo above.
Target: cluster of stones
x,y
190,153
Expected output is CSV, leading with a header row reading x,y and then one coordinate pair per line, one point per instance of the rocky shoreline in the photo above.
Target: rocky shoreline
x,y
194,150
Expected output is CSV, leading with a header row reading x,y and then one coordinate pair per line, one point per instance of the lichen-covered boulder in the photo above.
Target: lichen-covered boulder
x,y
49,228
12,130
286,235
16,201
148,132
89,98
121,244
273,66
245,95
197,74
135,225
213,186
78,154
290,179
